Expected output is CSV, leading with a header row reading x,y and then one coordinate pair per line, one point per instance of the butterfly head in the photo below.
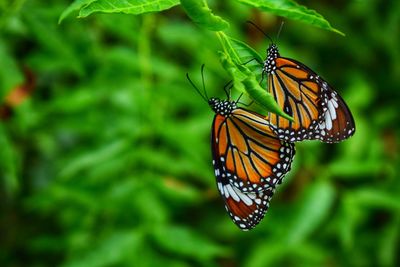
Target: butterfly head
x,y
272,54
222,107
273,51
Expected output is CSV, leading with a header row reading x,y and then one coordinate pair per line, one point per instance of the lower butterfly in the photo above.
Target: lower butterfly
x,y
248,158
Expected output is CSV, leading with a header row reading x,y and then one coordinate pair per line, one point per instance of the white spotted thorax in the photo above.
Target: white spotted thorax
x,y
222,107
272,54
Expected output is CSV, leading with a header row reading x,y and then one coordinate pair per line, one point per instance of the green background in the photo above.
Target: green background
x,y
108,163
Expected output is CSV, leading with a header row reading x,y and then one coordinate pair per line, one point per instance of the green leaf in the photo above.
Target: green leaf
x,y
134,7
248,56
377,199
75,6
10,74
351,169
92,158
8,164
185,242
350,216
316,206
275,253
245,51
111,251
291,10
262,97
266,254
202,15
388,249
244,79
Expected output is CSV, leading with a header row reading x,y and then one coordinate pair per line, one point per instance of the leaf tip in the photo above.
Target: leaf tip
x,y
286,116
338,32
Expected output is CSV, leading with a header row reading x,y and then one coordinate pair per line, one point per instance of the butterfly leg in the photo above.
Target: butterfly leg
x,y
247,62
227,87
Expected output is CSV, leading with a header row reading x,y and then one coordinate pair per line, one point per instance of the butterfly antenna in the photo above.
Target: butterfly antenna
x,y
237,101
280,29
258,28
195,87
228,94
202,79
247,105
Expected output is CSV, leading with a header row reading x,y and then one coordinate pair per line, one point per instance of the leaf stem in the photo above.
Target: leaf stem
x,y
226,45
144,51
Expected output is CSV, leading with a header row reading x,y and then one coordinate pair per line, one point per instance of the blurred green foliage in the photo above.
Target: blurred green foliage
x,y
108,163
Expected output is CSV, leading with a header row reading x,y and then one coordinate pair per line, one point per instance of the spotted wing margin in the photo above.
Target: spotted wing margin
x,y
296,89
252,158
245,209
337,123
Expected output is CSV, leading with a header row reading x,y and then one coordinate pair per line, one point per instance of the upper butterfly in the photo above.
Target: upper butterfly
x,y
249,161
318,111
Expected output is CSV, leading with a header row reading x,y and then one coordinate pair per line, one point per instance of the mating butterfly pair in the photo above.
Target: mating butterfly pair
x,y
252,154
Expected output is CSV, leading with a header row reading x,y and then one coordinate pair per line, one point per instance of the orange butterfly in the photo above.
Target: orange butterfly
x,y
249,160
318,111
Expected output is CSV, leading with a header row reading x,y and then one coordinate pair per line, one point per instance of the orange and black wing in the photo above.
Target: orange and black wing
x,y
245,209
337,123
249,161
252,157
302,94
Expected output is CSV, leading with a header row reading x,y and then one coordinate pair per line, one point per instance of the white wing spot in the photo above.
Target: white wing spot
x,y
244,197
332,109
328,120
232,192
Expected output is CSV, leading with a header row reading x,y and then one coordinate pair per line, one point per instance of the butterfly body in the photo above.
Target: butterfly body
x,y
318,111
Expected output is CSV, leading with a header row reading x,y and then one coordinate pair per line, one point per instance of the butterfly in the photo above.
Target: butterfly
x,y
317,109
249,160
246,152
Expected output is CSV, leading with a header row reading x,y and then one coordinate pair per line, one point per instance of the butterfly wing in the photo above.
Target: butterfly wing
x,y
245,209
249,161
250,209
301,93
337,123
252,157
